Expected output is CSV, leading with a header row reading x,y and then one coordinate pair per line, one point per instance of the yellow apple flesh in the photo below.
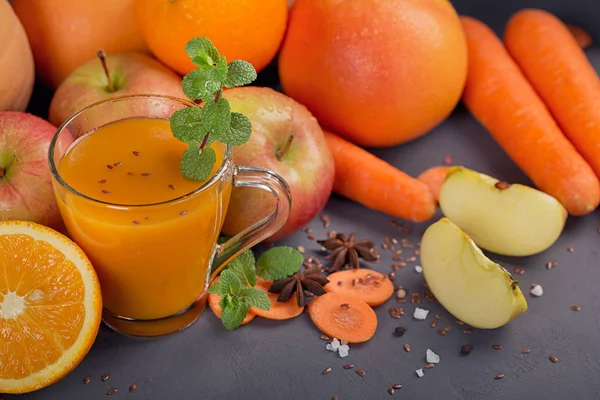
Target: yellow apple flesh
x,y
511,220
469,285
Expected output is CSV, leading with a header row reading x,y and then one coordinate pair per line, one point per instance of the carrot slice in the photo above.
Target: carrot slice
x,y
343,316
434,177
213,303
366,284
582,37
279,310
372,182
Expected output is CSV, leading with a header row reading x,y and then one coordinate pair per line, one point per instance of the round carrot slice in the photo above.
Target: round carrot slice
x,y
368,285
213,303
278,310
343,316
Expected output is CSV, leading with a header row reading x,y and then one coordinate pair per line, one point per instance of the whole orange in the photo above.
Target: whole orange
x,y
67,33
250,30
377,72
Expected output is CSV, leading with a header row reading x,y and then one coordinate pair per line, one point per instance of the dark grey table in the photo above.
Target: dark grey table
x,y
285,360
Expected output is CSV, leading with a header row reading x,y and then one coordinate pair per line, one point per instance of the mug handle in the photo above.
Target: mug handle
x,y
259,178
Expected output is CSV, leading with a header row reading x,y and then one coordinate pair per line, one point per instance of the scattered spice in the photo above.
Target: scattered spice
x,y
526,351
87,380
132,388
570,249
101,181
105,377
361,372
327,370
391,390
136,153
325,220
496,346
551,264
400,331
348,366
466,349
553,358
407,348
183,212
401,293
575,308
171,186
104,191
396,312
112,391
145,174
348,251
499,376
309,279
429,366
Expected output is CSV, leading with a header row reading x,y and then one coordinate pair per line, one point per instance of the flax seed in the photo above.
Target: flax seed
x,y
311,237
551,264
397,386
101,181
345,306
132,388
391,390
87,380
441,332
526,351
570,249
171,186
361,372
112,391
104,191
136,153
109,166
467,331
392,276
324,337
145,174
501,185
447,328
575,308
348,366
553,358
407,348
105,377
496,346
117,164
499,376
411,259
327,370
429,366
136,222
130,173
183,212
437,316
325,221
335,398
459,322
433,323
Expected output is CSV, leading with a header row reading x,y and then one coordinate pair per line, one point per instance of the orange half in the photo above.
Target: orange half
x,y
50,306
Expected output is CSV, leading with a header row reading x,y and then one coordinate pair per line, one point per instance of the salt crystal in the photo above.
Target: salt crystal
x,y
420,373
420,313
343,350
418,269
333,346
537,291
431,357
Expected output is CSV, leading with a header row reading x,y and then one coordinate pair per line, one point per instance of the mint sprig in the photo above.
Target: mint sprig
x,y
200,127
237,281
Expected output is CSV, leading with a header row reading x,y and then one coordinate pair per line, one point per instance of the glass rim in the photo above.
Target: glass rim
x,y
188,103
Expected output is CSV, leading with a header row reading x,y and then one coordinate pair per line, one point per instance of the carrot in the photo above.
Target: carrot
x,y
500,97
278,310
372,182
343,317
368,285
582,37
213,303
434,177
560,72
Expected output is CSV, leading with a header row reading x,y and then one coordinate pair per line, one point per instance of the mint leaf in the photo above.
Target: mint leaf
x,y
230,281
217,118
233,315
196,165
243,267
239,73
186,124
239,130
225,301
202,52
201,84
279,262
218,288
257,298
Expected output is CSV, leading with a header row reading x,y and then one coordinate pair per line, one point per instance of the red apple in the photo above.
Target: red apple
x,y
130,73
25,184
306,164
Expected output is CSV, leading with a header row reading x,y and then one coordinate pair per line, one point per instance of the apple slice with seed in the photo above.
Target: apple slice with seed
x,y
469,285
511,220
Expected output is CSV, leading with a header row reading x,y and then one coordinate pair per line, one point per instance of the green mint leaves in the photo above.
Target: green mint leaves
x,y
237,281
200,127
279,262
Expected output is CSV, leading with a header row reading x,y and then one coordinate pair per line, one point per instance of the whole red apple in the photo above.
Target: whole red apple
x,y
25,184
288,140
125,74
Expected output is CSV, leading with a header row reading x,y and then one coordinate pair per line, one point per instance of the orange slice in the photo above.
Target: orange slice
x,y
213,303
50,306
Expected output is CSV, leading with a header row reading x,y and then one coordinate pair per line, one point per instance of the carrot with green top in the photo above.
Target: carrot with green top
x,y
560,72
372,182
502,99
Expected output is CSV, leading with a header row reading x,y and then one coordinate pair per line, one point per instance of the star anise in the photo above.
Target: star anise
x,y
347,251
309,280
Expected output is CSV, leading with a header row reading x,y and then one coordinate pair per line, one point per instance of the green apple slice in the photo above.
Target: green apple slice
x,y
512,220
469,285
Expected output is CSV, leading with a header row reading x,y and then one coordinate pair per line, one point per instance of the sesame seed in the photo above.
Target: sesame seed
x,y
112,391
327,370
553,358
575,308
361,372
301,249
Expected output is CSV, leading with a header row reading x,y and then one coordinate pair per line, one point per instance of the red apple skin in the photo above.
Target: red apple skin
x,y
132,73
25,184
307,166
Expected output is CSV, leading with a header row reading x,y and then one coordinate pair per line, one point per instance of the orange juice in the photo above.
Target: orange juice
x,y
148,231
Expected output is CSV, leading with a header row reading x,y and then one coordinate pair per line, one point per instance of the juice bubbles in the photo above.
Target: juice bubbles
x,y
148,231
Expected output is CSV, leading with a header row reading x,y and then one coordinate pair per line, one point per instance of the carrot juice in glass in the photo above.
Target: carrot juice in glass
x,y
151,234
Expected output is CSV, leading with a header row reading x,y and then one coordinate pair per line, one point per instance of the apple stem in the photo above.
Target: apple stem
x,y
102,56
286,147
203,144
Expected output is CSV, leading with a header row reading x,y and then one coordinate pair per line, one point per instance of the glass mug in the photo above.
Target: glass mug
x,y
154,275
